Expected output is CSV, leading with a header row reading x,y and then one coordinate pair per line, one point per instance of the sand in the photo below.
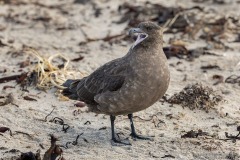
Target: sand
x,y
62,32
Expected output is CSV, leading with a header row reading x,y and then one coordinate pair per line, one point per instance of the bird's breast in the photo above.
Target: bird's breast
x,y
149,82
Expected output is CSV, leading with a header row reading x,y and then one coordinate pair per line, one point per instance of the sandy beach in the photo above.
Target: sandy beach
x,y
98,32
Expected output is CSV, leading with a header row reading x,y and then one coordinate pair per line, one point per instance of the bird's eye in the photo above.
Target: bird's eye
x,y
149,28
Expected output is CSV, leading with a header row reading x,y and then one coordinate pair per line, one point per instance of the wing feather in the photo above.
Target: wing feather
x,y
109,77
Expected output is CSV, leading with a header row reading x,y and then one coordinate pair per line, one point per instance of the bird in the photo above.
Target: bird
x,y
128,84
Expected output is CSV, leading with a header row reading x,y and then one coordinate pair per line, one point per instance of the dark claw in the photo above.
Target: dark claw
x,y
136,136
121,142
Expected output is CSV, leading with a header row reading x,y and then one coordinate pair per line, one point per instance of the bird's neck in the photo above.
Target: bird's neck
x,y
149,46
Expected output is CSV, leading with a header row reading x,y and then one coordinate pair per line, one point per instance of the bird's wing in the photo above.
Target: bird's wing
x,y
107,78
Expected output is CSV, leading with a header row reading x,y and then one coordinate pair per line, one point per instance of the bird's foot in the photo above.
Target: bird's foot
x,y
136,136
116,142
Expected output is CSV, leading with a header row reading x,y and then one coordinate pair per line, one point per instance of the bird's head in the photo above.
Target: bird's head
x,y
146,31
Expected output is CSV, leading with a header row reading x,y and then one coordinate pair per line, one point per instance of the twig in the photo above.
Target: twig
x,y
11,78
106,39
233,138
65,127
60,121
24,133
169,23
73,142
76,141
151,117
66,146
88,122
168,155
49,114
29,98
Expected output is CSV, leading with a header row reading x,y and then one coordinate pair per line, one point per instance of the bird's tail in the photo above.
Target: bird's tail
x,y
71,88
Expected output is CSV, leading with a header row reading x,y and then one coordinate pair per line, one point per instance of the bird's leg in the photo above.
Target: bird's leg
x,y
112,118
133,132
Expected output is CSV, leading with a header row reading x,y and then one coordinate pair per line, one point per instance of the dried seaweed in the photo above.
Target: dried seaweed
x,y
14,53
194,134
9,99
46,74
6,87
108,38
3,71
54,151
168,156
87,122
76,112
24,63
196,96
45,119
102,128
77,59
175,51
181,52
194,22
4,129
153,12
18,78
12,2
232,137
82,2
212,1
60,121
2,44
32,79
233,156
210,67
73,142
30,156
24,133
29,98
233,79
218,78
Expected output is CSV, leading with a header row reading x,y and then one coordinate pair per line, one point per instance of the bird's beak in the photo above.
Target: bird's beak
x,y
138,35
133,31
